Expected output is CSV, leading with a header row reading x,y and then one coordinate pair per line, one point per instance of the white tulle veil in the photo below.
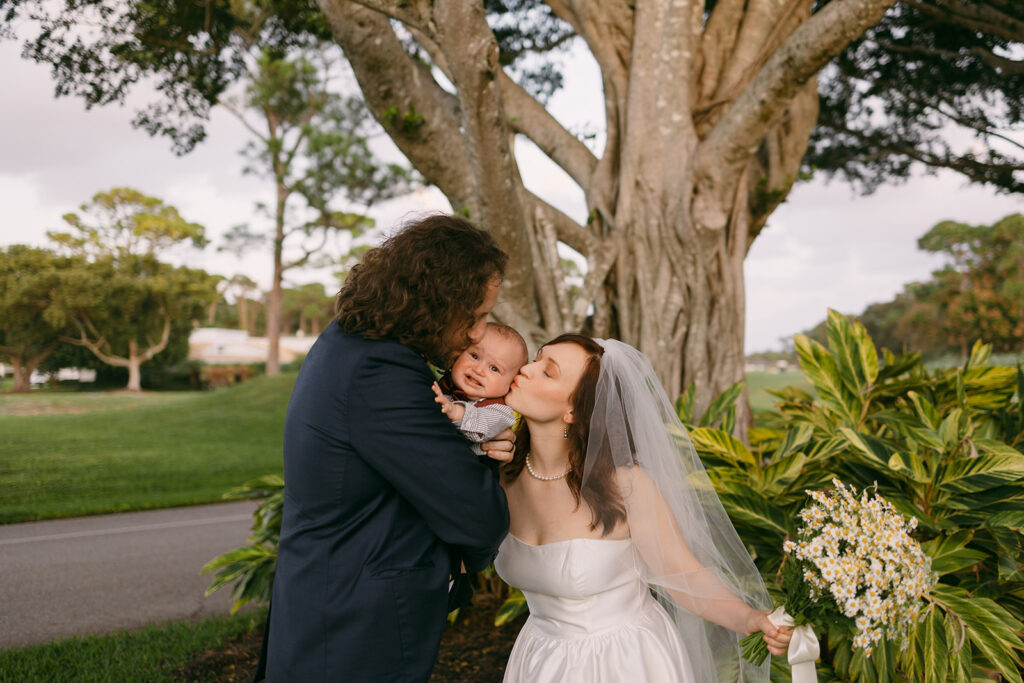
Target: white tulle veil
x,y
636,437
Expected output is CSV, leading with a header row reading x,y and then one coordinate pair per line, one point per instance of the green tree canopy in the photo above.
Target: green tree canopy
x,y
307,308
30,330
121,302
126,222
125,310
242,288
935,84
977,296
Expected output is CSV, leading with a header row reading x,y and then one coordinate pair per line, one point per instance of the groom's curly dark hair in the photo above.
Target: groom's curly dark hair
x,y
422,286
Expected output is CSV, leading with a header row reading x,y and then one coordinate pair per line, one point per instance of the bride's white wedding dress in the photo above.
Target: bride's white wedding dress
x,y
592,617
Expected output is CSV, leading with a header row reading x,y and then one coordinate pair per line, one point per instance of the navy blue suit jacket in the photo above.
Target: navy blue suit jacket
x,y
380,489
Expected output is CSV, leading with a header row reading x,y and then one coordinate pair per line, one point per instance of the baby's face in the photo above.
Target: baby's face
x,y
487,368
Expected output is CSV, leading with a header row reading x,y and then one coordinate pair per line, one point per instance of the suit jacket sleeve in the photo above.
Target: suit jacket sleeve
x,y
398,429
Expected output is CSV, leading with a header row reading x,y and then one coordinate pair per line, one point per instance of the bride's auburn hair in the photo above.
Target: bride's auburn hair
x,y
602,492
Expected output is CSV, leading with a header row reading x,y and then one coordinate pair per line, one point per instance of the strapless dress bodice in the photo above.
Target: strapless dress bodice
x,y
592,617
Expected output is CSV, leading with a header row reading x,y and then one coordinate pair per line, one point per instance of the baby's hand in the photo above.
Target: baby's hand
x,y
454,411
439,397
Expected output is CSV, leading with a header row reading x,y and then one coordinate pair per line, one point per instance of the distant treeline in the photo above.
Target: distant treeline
x,y
977,294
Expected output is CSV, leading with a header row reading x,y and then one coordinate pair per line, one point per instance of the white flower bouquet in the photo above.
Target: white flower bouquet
x,y
853,565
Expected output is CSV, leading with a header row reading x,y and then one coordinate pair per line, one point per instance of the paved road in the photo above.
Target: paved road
x,y
111,572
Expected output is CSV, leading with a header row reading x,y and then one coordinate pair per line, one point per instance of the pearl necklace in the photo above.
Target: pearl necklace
x,y
533,474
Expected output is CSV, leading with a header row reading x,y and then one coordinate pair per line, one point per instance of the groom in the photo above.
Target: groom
x,y
383,497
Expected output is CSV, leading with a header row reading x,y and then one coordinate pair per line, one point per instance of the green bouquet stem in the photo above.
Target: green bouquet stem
x,y
754,648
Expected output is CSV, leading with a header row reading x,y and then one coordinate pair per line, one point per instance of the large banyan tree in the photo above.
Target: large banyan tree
x,y
712,110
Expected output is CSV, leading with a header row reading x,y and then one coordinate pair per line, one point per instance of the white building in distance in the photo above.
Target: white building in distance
x,y
219,346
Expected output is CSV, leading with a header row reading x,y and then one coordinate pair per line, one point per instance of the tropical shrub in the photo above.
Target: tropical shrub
x,y
251,568
942,446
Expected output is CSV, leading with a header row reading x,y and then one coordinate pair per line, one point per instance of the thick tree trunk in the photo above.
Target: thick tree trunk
x,y
676,293
134,375
23,364
707,119
134,367
22,374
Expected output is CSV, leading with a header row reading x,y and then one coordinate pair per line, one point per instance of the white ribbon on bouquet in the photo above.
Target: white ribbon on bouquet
x,y
803,648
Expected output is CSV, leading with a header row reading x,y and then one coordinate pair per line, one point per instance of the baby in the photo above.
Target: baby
x,y
472,393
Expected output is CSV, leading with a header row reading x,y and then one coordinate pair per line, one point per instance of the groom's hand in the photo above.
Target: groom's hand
x,y
500,448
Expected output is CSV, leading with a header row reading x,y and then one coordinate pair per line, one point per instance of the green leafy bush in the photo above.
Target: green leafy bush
x,y
942,446
251,568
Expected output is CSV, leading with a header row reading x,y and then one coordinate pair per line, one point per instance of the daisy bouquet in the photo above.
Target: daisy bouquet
x,y
853,565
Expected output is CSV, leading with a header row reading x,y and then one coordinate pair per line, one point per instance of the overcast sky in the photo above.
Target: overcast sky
x,y
825,247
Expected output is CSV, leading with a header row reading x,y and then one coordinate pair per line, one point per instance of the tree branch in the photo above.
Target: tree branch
x,y
607,29
427,43
289,155
162,344
1008,67
569,231
546,282
979,171
760,26
554,259
245,122
405,12
471,51
976,16
958,119
393,83
532,119
716,44
788,19
46,351
94,347
737,135
307,253
600,254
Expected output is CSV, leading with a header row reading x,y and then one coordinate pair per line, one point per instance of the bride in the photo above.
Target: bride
x,y
629,564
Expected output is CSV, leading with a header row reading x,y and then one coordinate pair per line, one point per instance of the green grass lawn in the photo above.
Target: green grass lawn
x,y
136,452
50,401
760,382
149,655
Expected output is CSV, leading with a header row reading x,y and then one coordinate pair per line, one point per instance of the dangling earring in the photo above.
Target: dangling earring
x,y
565,434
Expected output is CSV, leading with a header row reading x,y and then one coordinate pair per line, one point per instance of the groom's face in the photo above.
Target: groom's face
x,y
460,339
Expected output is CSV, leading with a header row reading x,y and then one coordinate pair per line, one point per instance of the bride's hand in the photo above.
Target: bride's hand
x,y
500,448
775,637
